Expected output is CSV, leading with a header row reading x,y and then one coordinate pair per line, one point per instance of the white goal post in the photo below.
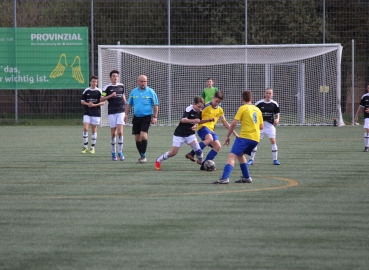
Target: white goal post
x,y
306,78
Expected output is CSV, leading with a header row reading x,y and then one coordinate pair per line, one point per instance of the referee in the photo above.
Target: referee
x,y
145,105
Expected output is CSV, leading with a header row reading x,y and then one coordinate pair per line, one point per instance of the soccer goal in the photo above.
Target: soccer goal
x,y
305,78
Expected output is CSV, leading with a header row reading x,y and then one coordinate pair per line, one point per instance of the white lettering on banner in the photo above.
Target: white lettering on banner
x,y
24,79
56,36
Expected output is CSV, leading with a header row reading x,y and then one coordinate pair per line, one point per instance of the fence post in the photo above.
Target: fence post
x,y
352,81
92,53
15,90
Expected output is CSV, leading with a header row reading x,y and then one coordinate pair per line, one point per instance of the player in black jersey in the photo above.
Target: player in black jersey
x,y
91,101
114,94
271,112
185,132
364,106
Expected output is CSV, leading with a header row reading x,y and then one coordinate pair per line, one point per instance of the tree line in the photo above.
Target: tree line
x,y
207,22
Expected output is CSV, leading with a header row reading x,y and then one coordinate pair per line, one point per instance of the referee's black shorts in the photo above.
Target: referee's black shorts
x,y
141,124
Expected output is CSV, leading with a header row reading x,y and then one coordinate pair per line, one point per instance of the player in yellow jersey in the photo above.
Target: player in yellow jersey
x,y
252,122
206,130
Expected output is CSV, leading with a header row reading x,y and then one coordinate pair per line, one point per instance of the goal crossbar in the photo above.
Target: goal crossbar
x,y
305,77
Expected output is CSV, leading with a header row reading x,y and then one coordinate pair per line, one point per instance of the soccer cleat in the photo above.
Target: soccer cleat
x,y
84,151
244,180
113,156
121,156
250,162
276,162
201,165
222,181
92,151
157,165
141,160
190,157
366,149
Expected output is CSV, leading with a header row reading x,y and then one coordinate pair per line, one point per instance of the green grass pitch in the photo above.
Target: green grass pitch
x,y
61,209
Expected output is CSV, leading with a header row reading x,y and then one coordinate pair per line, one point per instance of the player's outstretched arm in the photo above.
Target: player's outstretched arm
x,y
227,126
190,121
207,120
231,128
227,141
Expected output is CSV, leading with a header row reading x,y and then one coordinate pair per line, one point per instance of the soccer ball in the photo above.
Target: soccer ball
x,y
209,165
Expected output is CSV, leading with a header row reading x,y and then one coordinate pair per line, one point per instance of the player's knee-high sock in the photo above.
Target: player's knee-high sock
x,y
202,146
198,151
227,171
93,140
163,157
85,139
253,153
143,148
245,170
120,143
138,146
211,155
366,139
113,142
275,151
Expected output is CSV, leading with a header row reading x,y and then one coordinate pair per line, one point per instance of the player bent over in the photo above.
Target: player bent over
x,y
206,130
92,113
251,123
185,132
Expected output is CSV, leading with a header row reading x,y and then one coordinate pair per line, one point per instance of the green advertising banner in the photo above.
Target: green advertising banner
x,y
44,58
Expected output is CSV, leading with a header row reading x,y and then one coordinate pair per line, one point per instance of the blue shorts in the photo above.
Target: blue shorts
x,y
243,146
205,131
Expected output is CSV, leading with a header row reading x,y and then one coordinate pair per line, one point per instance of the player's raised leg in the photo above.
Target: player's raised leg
x,y
165,156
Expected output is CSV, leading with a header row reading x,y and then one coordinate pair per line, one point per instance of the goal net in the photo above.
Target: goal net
x,y
305,78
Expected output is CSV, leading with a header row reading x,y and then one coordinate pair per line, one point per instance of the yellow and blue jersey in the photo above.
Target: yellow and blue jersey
x,y
250,118
210,112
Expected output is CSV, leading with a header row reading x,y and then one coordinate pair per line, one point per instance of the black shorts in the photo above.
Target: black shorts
x,y
141,124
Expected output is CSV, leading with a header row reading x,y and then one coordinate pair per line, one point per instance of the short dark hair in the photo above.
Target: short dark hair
x,y
198,99
93,77
219,94
209,79
247,96
113,71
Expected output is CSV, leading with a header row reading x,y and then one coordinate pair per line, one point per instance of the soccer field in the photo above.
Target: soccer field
x,y
61,209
